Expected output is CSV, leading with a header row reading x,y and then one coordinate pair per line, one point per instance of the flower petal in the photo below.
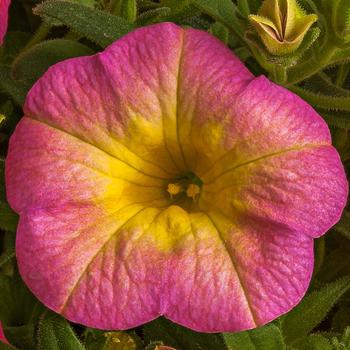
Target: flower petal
x,y
99,239
264,268
4,6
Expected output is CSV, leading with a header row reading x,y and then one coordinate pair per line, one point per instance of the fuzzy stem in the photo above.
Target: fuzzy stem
x,y
342,73
322,101
312,66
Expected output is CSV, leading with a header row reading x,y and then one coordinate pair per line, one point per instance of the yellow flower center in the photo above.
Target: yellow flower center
x,y
188,184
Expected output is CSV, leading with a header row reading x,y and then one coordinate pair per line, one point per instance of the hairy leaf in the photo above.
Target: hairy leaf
x,y
266,337
34,62
98,26
312,310
55,333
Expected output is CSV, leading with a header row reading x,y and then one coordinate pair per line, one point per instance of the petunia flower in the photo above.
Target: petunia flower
x,y
282,25
4,6
160,177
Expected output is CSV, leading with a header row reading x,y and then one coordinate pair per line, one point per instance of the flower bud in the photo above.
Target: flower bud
x,y
282,25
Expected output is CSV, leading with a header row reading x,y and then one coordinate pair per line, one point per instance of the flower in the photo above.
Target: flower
x,y
101,240
4,6
282,25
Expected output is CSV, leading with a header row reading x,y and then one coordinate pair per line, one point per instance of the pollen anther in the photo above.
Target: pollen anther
x,y
192,191
174,189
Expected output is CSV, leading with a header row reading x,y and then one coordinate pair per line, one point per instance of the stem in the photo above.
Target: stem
x,y
312,66
322,101
280,74
342,73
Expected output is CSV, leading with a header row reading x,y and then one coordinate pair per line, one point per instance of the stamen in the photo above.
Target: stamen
x,y
192,191
174,189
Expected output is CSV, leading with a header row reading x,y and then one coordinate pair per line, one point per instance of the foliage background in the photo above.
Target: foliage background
x,y
42,34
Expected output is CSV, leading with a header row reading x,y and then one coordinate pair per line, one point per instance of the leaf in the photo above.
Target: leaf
x,y
268,337
312,310
8,218
21,336
153,16
126,9
322,83
55,333
180,337
34,62
17,90
316,342
18,306
220,31
343,226
98,26
223,11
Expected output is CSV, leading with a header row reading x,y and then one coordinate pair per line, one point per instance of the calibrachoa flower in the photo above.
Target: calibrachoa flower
x,y
4,6
160,177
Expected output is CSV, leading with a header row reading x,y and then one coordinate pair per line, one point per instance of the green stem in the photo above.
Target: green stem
x,y
280,74
312,66
342,73
322,101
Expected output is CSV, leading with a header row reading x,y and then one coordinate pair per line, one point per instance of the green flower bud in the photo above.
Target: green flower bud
x,y
282,25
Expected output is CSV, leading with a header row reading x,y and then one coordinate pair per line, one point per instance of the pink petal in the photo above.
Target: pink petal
x,y
4,6
99,239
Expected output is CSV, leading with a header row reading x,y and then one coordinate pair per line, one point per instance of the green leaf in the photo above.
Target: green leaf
x,y
22,336
180,337
297,324
14,43
55,333
126,9
223,11
16,89
34,62
268,337
316,342
343,226
18,306
8,218
153,16
98,26
220,31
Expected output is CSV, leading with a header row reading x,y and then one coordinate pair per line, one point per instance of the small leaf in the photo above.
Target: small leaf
x,y
126,9
312,310
220,31
266,337
8,218
34,62
16,89
316,342
55,333
98,26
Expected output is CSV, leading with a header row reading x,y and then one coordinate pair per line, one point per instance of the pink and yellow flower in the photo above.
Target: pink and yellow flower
x,y
4,6
160,177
